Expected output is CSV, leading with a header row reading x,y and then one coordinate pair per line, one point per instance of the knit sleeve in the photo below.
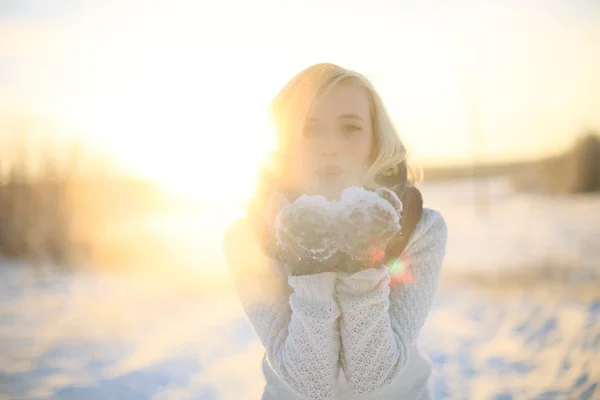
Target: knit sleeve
x,y
296,321
380,322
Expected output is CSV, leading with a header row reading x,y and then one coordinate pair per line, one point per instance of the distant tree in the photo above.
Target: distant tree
x,y
575,171
585,164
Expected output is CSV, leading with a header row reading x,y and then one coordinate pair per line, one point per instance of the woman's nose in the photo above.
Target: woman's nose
x,y
330,145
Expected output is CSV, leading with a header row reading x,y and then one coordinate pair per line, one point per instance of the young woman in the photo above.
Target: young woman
x,y
337,262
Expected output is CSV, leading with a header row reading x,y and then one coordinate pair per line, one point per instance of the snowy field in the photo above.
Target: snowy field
x,y
517,316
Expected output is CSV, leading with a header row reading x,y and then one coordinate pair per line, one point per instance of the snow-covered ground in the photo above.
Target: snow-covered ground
x,y
517,316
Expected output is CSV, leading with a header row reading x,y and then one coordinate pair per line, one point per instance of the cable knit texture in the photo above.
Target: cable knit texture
x,y
340,335
297,322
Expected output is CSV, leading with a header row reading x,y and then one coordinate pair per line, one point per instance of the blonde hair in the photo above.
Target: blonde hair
x,y
290,107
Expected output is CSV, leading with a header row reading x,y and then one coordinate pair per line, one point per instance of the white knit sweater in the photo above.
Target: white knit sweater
x,y
335,335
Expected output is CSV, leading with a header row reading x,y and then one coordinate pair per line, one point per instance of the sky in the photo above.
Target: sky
x,y
178,90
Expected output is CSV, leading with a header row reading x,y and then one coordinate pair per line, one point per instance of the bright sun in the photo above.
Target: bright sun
x,y
186,132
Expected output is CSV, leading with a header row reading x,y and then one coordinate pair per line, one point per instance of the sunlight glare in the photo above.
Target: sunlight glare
x,y
185,132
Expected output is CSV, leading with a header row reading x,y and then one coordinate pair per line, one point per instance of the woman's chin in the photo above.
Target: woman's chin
x,y
332,192
332,189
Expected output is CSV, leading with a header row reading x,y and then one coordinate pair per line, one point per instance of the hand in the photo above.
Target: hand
x,y
367,222
302,229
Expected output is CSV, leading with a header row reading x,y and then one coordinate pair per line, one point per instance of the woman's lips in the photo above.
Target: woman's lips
x,y
331,172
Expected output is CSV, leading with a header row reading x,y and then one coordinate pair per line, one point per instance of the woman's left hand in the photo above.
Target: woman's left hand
x,y
367,222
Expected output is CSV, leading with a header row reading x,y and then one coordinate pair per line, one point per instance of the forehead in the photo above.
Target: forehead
x,y
343,98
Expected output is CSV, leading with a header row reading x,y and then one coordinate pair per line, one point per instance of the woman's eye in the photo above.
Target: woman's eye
x,y
351,128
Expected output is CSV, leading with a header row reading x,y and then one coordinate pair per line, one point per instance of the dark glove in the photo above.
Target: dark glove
x,y
367,222
303,236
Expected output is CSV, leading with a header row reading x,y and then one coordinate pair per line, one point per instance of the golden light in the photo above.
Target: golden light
x,y
194,129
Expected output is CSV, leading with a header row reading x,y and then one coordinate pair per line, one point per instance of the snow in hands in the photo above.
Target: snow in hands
x,y
360,224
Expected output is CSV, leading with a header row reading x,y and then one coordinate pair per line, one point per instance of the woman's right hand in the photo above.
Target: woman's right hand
x,y
303,231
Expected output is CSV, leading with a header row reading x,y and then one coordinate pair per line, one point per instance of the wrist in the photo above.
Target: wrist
x,y
351,264
305,267
294,265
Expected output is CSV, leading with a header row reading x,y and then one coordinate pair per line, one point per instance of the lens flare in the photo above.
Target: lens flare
x,y
378,256
399,272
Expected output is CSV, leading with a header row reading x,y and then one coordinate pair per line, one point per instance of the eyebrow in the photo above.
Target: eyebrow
x,y
343,116
351,116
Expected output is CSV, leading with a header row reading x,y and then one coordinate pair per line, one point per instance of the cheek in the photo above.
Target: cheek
x,y
299,163
361,149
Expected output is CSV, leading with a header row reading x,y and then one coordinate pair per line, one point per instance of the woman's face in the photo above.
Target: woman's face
x,y
334,147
